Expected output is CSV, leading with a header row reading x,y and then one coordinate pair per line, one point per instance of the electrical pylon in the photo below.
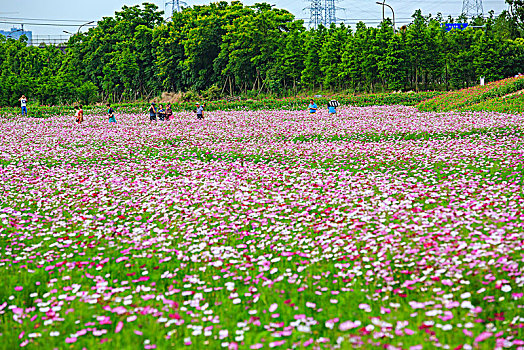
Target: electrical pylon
x,y
472,8
175,5
316,10
329,12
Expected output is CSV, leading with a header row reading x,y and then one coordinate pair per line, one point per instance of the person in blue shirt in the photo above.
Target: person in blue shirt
x,y
332,106
312,107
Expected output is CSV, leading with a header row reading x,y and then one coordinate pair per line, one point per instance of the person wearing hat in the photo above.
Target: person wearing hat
x,y
332,106
152,112
199,110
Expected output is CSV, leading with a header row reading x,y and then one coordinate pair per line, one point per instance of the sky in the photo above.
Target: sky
x,y
68,15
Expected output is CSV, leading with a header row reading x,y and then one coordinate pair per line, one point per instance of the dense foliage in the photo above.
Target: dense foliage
x,y
235,49
517,11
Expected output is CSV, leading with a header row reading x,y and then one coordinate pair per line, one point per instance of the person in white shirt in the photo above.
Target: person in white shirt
x,y
23,104
79,114
200,110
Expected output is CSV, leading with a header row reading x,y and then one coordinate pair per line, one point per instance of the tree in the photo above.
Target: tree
x,y
312,75
229,47
292,57
517,11
392,67
169,58
331,55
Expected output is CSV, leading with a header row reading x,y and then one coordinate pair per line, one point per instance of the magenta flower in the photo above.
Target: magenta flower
x,y
483,336
119,326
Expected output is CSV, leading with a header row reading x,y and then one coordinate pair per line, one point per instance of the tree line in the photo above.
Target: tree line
x,y
235,49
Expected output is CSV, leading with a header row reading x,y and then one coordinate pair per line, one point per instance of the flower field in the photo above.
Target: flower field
x,y
486,97
509,104
379,227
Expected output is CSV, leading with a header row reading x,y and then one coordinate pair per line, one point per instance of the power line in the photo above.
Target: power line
x,y
44,19
322,12
46,24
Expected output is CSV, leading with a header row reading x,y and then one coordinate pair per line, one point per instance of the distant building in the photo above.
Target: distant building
x,y
16,33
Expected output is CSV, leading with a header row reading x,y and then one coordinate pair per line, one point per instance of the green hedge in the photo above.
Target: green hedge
x,y
300,103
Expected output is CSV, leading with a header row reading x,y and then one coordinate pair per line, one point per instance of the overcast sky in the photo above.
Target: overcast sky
x,y
53,11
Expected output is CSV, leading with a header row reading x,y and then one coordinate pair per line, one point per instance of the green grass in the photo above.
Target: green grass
x,y
478,95
512,104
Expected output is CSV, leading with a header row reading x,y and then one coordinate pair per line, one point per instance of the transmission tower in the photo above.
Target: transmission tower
x,y
472,8
329,12
316,13
175,5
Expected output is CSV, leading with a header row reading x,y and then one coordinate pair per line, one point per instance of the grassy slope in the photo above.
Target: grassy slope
x,y
509,104
490,97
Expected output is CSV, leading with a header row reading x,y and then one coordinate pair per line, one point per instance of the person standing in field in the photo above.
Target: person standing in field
x,y
312,107
23,104
111,113
332,106
152,112
161,113
169,112
76,113
200,110
79,114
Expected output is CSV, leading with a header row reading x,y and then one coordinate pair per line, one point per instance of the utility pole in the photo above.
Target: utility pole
x,y
85,24
383,4
472,8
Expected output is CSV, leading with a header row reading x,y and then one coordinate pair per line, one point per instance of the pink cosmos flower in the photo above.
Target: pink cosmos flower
x,y
119,326
347,325
483,336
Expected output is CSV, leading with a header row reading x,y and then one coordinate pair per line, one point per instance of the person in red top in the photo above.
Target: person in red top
x,y
79,114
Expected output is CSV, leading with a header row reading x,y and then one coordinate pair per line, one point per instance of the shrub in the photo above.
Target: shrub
x,y
212,94
87,93
191,96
